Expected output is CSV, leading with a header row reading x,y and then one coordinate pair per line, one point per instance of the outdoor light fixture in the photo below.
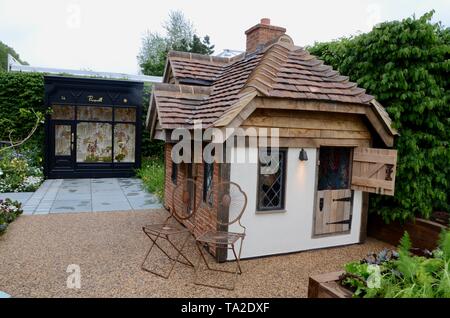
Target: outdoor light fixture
x,y
303,156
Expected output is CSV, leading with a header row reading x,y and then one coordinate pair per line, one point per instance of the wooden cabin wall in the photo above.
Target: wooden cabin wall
x,y
312,129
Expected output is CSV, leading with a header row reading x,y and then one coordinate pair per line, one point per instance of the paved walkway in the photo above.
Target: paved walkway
x,y
87,195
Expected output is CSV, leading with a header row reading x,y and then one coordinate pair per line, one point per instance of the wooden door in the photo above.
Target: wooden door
x,y
63,140
374,170
334,198
333,211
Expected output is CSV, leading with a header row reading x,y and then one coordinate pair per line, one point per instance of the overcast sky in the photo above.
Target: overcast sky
x,y
106,35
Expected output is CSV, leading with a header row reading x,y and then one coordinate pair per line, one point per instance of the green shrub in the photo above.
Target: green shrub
x,y
19,171
149,148
405,65
20,95
152,175
402,275
9,211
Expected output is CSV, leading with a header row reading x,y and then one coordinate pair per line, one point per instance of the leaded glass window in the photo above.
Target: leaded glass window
x,y
271,185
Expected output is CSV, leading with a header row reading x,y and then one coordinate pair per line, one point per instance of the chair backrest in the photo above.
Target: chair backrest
x,y
184,204
230,202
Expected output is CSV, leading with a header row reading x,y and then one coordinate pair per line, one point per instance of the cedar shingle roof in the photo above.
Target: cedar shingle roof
x,y
206,88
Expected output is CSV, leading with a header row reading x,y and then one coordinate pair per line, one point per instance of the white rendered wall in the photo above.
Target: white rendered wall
x,y
291,230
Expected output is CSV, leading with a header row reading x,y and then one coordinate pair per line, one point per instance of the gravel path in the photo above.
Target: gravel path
x,y
109,248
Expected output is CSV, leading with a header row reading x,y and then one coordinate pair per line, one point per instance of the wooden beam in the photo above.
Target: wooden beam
x,y
364,217
382,131
223,212
277,104
318,142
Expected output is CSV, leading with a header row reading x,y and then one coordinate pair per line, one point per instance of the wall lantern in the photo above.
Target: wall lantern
x,y
303,156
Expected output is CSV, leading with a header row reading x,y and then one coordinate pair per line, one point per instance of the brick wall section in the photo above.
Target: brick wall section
x,y
206,216
262,33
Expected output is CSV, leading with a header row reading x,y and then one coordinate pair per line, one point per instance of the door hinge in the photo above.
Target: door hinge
x,y
343,199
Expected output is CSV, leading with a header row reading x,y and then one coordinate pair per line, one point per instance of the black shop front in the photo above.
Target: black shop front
x,y
94,127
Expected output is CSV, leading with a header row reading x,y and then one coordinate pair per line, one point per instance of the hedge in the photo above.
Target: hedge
x,y
405,65
19,94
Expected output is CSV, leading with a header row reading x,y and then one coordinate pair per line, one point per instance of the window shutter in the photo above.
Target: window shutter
x,y
374,170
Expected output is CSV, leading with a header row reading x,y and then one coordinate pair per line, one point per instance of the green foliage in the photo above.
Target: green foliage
x,y
149,147
405,275
4,51
152,175
9,211
20,170
21,101
180,36
405,65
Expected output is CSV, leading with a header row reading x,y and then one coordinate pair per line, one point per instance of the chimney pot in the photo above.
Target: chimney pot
x,y
262,33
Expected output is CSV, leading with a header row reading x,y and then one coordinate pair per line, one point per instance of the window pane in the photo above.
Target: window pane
x,y
124,142
62,140
94,142
63,112
208,172
125,114
94,113
174,172
271,180
334,168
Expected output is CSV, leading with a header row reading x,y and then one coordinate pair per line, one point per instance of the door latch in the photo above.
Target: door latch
x,y
348,222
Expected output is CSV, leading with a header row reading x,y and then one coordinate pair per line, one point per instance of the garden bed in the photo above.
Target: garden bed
x,y
327,286
424,233
405,273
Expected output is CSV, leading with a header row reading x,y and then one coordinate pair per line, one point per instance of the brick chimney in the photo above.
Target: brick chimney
x,y
262,33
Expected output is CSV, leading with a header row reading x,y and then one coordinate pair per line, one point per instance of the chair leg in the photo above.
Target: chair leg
x,y
173,260
148,253
180,251
235,273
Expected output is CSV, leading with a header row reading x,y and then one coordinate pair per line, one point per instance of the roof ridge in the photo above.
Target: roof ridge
x,y
182,88
200,57
266,68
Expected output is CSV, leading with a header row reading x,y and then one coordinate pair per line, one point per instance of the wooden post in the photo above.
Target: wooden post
x,y
223,213
364,217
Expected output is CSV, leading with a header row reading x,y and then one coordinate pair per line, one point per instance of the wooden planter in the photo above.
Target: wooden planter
x,y
424,233
327,286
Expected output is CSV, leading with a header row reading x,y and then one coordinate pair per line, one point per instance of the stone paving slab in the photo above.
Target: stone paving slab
x,y
22,197
86,195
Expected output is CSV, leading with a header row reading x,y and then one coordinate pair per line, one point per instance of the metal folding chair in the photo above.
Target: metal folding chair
x,y
230,203
183,208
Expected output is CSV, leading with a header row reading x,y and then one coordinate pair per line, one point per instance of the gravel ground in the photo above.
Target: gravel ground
x,y
109,248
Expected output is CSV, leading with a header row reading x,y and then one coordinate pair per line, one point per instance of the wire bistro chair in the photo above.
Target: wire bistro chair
x,y
231,202
184,196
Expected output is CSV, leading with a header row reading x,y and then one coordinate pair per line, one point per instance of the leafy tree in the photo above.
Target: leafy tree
x,y
405,65
4,51
149,147
180,36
